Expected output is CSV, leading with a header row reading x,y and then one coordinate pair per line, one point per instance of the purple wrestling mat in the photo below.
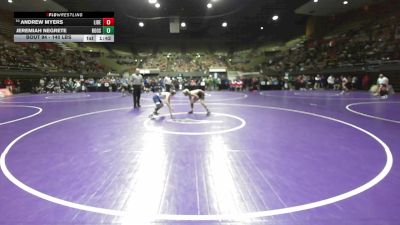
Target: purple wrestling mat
x,y
275,157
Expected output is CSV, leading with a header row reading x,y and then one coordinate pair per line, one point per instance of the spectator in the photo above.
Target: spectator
x,y
9,84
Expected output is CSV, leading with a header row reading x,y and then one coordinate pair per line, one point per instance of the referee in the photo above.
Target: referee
x,y
137,82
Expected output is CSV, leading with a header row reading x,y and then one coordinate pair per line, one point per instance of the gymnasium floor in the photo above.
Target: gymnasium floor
x,y
275,157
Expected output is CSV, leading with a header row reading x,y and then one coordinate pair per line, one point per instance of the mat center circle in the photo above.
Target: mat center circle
x,y
197,123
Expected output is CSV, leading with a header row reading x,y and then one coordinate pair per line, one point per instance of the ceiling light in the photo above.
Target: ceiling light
x,y
224,24
261,28
157,5
275,17
209,5
183,24
9,1
345,2
152,1
315,1
141,24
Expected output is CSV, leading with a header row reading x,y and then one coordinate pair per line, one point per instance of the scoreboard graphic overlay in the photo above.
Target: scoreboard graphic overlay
x,y
64,26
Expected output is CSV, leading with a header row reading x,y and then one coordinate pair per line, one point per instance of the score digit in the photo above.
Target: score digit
x,y
108,30
108,21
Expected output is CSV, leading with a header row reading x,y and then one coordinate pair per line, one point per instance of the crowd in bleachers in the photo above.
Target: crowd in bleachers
x,y
211,60
180,62
123,59
371,44
46,57
183,63
155,61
